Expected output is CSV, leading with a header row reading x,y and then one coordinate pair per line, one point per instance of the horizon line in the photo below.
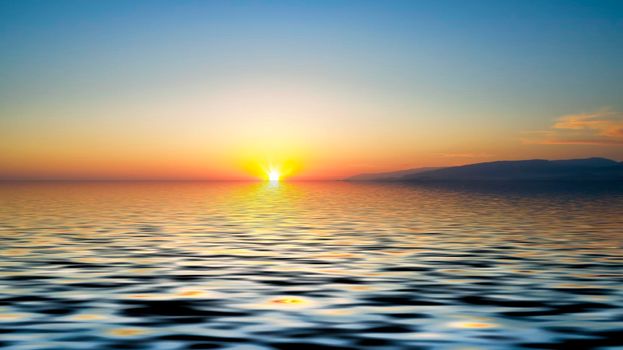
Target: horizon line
x,y
163,180
250,179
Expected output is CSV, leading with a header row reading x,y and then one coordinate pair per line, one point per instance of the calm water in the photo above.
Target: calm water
x,y
308,266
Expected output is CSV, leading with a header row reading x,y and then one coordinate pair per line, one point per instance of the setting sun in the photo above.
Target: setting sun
x,y
271,170
274,175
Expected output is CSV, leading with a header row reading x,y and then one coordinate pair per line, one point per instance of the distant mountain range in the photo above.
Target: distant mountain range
x,y
389,176
589,169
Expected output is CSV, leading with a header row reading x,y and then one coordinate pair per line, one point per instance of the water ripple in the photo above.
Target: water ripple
x,y
308,266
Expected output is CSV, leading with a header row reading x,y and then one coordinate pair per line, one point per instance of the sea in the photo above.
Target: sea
x,y
310,265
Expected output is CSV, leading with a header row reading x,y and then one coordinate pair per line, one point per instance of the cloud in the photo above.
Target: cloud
x,y
604,127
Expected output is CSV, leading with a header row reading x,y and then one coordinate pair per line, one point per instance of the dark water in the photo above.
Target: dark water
x,y
309,266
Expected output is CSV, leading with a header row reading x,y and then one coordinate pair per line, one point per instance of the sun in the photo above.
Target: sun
x,y
274,175
272,171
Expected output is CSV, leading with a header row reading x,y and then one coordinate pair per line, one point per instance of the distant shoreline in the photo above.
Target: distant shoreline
x,y
535,170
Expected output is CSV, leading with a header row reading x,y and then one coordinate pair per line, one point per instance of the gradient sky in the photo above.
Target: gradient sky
x,y
206,89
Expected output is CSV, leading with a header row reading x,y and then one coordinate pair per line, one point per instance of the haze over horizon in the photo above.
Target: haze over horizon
x,y
329,89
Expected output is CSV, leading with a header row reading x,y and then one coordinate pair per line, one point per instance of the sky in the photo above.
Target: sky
x,y
321,89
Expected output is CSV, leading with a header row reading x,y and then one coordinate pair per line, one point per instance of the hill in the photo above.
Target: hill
x,y
587,169
388,176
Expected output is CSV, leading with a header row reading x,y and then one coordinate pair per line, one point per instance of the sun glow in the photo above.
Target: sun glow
x,y
274,175
271,170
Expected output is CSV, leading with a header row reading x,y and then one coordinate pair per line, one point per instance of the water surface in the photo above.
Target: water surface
x,y
308,266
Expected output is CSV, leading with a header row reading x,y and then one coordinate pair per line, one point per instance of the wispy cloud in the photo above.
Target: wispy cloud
x,y
604,127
